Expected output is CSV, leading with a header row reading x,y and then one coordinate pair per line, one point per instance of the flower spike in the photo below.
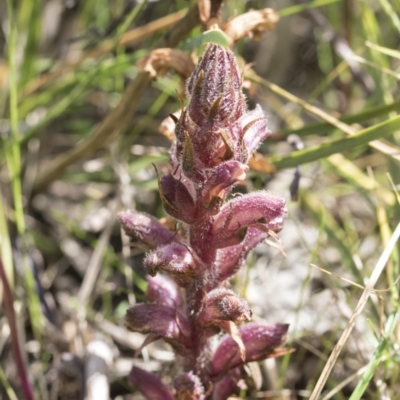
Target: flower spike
x,y
190,299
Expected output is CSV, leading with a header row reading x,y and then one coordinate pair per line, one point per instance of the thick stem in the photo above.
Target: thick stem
x,y
200,356
195,298
201,241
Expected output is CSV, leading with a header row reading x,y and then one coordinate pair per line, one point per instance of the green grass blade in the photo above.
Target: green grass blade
x,y
302,7
5,245
30,14
129,19
6,385
337,146
387,7
376,358
14,156
384,50
363,116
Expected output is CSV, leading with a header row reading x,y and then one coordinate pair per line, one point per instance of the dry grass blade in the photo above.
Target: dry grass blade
x,y
98,361
379,267
341,385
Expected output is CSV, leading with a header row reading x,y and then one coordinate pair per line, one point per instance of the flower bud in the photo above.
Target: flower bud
x,y
215,88
176,259
222,177
224,305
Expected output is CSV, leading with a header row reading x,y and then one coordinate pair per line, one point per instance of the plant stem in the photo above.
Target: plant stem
x,y
15,341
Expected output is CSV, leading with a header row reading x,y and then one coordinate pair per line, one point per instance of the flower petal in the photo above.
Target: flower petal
x,y
260,340
230,259
227,385
149,385
163,290
262,209
145,229
160,320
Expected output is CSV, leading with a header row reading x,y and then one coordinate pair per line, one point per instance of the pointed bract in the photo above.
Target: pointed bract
x,y
176,199
255,131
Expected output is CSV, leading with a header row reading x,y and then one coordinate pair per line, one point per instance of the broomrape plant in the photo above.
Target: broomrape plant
x,y
190,299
